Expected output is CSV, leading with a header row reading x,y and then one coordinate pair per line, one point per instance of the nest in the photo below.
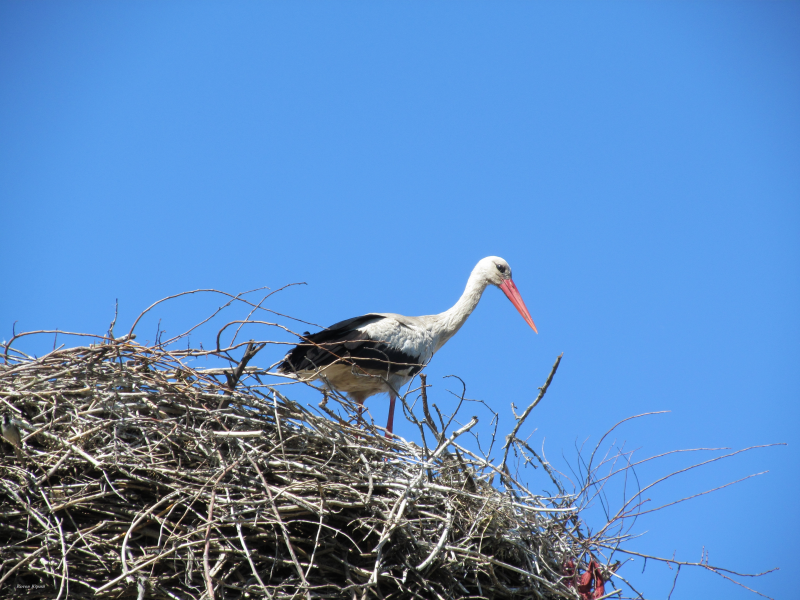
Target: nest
x,y
129,474
142,477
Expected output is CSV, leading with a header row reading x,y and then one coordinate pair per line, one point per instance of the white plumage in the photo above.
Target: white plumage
x,y
381,352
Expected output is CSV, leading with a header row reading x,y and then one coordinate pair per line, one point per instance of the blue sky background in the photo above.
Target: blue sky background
x,y
638,165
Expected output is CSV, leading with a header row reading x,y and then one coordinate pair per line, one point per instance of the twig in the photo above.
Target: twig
x,y
114,321
521,419
674,581
284,531
440,544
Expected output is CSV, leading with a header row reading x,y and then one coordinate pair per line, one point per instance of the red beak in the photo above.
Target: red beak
x,y
511,291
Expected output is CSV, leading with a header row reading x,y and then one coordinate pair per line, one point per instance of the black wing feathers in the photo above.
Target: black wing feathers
x,y
344,342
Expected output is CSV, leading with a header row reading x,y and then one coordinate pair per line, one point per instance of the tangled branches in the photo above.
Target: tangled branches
x,y
140,476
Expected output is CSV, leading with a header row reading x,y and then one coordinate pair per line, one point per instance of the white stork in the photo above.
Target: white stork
x,y
381,352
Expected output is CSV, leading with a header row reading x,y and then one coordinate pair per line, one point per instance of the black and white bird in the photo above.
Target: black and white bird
x,y
381,352
11,431
11,434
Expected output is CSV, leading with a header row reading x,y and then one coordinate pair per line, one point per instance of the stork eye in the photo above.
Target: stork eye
x,y
501,268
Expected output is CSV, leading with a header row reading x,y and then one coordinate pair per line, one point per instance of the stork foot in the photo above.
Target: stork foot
x,y
390,423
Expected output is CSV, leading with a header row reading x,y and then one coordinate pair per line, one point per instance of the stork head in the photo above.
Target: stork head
x,y
496,271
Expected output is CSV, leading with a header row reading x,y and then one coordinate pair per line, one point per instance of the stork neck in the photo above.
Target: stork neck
x,y
451,320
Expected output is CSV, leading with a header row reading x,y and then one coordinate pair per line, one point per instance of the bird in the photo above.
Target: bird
x,y
11,431
381,352
11,434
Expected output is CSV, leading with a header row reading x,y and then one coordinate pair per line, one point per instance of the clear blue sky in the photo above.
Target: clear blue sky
x,y
638,165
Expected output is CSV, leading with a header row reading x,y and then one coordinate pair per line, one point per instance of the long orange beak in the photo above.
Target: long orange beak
x,y
511,291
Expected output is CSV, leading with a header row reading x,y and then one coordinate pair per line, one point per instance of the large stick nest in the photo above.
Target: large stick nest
x,y
141,477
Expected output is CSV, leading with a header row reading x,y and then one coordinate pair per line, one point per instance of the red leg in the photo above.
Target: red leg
x,y
390,423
